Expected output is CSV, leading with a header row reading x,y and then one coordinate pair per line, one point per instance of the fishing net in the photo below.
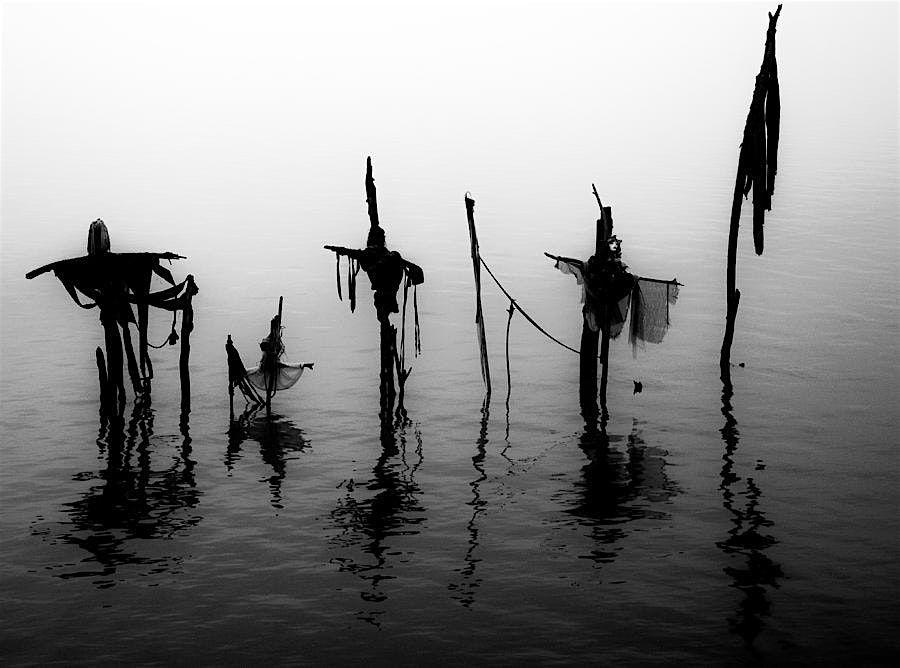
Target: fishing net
x,y
650,300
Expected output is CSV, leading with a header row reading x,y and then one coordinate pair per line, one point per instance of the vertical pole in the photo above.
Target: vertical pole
x,y
133,372
114,362
757,162
388,333
587,379
270,374
604,360
479,315
590,339
732,294
388,347
371,197
187,326
231,381
512,309
104,382
143,311
604,231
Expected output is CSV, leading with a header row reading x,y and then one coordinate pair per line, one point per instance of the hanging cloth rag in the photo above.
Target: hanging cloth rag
x,y
650,301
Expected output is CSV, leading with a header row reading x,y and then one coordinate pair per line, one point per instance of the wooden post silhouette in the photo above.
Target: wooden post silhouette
x,y
479,315
387,332
230,391
105,405
604,230
271,375
114,361
587,380
187,326
757,165
386,270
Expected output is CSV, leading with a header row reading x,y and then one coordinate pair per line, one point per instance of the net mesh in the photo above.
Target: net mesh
x,y
650,300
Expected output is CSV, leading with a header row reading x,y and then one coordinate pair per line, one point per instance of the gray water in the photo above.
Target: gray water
x,y
237,137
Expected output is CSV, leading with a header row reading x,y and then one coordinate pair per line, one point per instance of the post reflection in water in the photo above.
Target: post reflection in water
x,y
372,514
278,439
615,487
133,502
465,590
746,542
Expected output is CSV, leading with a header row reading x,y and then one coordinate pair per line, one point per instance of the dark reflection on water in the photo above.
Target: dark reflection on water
x,y
132,502
464,591
373,513
747,539
618,487
278,439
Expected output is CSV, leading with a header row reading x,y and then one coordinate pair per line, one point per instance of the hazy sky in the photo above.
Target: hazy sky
x,y
225,114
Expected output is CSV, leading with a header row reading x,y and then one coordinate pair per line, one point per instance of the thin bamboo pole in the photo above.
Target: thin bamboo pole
x,y
479,314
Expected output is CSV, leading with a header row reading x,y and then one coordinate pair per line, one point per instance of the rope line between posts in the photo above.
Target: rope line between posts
x,y
514,304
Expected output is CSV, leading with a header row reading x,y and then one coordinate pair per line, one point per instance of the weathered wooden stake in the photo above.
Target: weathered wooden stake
x,y
604,231
590,339
133,372
510,311
388,349
757,164
187,326
271,378
479,315
114,362
230,400
386,270
104,382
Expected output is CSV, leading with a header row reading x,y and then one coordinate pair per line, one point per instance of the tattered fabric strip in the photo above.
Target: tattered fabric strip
x,y
352,271
650,300
337,264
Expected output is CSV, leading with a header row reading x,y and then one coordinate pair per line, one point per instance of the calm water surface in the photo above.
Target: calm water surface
x,y
691,530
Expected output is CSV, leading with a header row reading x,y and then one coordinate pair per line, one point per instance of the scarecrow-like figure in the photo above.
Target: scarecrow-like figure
x,y
609,293
386,270
271,375
113,282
